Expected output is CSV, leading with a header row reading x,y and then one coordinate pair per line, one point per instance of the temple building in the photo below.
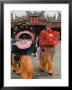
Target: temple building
x,y
37,20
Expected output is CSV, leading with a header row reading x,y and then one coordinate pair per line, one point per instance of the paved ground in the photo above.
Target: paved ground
x,y
44,75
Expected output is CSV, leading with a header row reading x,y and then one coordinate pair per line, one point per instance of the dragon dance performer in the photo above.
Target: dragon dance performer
x,y
48,41
23,46
14,55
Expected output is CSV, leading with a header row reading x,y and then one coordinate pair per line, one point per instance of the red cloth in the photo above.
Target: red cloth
x,y
49,37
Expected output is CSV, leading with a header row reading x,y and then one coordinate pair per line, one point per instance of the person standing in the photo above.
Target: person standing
x,y
48,41
24,46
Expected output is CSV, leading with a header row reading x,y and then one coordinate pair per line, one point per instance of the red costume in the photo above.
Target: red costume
x,y
48,41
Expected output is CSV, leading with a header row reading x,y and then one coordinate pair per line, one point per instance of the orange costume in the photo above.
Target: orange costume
x,y
15,64
24,48
46,59
48,41
26,67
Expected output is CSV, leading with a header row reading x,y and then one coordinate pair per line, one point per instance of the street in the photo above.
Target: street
x,y
38,74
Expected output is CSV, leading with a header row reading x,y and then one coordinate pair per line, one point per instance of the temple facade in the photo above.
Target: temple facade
x,y
37,18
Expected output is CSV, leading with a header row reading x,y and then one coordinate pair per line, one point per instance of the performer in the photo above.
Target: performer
x,y
26,66
46,58
24,44
14,55
48,41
